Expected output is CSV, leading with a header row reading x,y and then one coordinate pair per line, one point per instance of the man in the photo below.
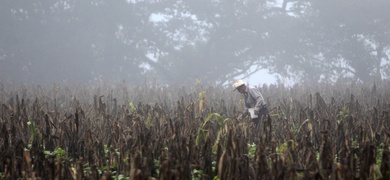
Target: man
x,y
253,99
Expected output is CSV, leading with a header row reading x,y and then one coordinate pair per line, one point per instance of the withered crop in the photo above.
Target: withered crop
x,y
320,131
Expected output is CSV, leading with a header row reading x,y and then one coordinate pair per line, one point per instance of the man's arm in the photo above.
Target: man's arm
x,y
256,94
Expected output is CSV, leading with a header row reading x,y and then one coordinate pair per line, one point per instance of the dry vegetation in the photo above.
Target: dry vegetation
x,y
77,132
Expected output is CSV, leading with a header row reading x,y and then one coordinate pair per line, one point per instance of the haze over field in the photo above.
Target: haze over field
x,y
176,42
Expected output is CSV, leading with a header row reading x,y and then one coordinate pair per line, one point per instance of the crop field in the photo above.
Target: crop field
x,y
120,131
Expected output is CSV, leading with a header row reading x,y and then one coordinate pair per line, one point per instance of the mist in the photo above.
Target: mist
x,y
177,42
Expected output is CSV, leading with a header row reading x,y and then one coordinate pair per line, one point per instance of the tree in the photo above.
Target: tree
x,y
230,39
75,41
344,39
178,41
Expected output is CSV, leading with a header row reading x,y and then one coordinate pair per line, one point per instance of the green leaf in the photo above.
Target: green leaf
x,y
133,109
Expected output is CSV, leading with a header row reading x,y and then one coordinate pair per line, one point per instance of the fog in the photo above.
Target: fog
x,y
178,42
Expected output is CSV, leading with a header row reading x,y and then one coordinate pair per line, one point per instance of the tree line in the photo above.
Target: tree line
x,y
180,41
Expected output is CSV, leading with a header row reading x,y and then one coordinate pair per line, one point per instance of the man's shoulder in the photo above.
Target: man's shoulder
x,y
254,91
253,88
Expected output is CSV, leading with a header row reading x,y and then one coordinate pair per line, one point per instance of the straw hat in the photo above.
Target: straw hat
x,y
237,84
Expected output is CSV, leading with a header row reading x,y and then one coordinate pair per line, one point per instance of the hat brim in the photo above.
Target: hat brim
x,y
238,87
